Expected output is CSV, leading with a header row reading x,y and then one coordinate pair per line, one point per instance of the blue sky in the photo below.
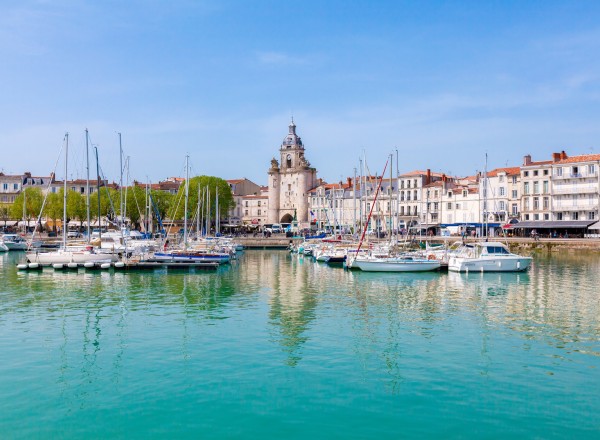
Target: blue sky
x,y
443,82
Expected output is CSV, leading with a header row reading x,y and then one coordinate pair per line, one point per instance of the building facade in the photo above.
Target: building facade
x,y
290,180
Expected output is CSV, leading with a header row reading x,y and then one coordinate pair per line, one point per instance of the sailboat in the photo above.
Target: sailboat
x,y
72,257
388,263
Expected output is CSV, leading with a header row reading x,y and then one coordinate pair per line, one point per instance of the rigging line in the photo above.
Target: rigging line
x,y
46,196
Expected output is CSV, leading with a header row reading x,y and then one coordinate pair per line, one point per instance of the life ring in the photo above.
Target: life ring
x,y
431,257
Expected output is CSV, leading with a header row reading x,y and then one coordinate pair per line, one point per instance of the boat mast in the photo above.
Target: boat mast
x,y
354,203
390,193
198,214
187,188
121,182
485,215
65,192
217,216
98,186
87,184
25,222
397,196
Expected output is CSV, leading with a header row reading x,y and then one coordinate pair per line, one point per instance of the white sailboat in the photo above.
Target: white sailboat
x,y
65,255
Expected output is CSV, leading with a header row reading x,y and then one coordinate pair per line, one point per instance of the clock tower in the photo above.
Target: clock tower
x,y
290,179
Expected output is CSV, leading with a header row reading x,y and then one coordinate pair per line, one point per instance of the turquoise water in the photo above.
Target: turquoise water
x,y
280,347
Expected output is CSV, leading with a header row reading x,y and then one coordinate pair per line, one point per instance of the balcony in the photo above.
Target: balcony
x,y
575,190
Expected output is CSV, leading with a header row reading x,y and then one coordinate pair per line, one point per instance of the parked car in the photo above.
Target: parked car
x,y
73,234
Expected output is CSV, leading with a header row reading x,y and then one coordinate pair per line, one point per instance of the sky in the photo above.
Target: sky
x,y
441,82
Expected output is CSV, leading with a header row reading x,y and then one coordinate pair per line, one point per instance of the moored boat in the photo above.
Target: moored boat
x,y
487,257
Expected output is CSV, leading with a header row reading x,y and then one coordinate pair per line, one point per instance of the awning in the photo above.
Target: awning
x,y
557,224
595,226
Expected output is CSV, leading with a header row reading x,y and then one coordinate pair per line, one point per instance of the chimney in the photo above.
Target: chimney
x,y
349,181
563,155
52,177
28,173
527,160
556,157
428,177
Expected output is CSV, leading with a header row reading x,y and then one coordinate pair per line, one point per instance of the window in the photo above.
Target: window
x,y
289,186
526,188
465,193
502,191
449,205
415,195
5,186
535,172
591,215
401,196
259,212
546,216
559,216
259,204
526,216
500,178
526,173
246,212
246,204
545,187
536,216
16,186
546,202
536,187
545,172
402,210
435,206
514,180
575,172
559,171
514,194
501,205
575,216
407,195
591,170
449,193
515,209
536,203
408,183
401,184
458,206
526,206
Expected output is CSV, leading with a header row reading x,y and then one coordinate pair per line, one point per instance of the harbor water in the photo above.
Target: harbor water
x,y
277,346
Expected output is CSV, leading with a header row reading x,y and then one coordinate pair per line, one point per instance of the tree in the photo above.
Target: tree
x,y
4,214
76,207
225,196
136,204
32,198
162,202
54,207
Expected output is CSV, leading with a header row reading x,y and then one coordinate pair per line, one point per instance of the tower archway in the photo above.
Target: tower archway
x,y
287,219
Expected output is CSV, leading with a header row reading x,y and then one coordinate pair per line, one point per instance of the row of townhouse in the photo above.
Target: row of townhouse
x,y
564,189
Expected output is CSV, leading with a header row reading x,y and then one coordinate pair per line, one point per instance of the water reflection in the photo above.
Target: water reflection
x,y
382,319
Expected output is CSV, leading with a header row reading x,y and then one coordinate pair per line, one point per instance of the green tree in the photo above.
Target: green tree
x,y
32,198
76,207
54,207
4,213
225,196
106,195
136,203
163,203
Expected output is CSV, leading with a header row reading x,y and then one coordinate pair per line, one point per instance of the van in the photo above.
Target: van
x,y
276,228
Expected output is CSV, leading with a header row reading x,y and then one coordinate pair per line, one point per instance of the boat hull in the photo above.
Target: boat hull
x,y
65,257
381,265
495,264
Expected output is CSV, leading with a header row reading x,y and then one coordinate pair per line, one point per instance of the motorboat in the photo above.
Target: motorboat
x,y
14,242
487,256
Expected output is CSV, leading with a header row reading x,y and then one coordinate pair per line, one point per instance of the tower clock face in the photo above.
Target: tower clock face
x,y
289,157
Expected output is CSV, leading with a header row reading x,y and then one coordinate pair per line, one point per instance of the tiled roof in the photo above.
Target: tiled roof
x,y
510,171
581,158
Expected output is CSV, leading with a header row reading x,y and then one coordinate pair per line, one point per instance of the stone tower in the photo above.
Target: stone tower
x,y
290,179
